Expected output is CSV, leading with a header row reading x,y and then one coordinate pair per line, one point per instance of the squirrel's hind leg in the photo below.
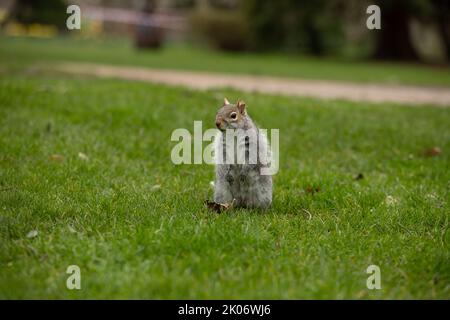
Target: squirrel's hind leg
x,y
264,192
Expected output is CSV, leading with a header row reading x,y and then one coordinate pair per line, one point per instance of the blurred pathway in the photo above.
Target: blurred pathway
x,y
271,85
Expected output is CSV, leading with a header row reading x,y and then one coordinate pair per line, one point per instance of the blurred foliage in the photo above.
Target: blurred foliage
x,y
320,27
286,25
441,15
317,27
182,4
222,29
393,41
311,26
224,4
50,12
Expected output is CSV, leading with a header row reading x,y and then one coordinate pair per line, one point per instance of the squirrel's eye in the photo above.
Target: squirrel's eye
x,y
233,115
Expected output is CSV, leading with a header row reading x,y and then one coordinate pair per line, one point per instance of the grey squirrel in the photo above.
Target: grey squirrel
x,y
241,151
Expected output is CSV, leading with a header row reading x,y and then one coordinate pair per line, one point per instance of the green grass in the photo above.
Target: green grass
x,y
17,51
132,240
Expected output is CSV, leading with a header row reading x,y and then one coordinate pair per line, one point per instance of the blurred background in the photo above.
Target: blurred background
x,y
85,170
412,30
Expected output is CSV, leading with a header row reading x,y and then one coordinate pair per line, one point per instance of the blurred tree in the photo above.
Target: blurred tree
x,y
295,25
51,12
221,25
265,23
441,12
314,26
393,41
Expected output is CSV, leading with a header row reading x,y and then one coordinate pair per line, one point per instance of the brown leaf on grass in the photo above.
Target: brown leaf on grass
x,y
432,152
56,157
218,207
312,190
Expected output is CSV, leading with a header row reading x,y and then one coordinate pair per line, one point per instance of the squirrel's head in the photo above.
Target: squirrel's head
x,y
231,116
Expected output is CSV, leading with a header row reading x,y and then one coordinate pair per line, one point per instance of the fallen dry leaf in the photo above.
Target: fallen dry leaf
x,y
312,190
218,207
432,152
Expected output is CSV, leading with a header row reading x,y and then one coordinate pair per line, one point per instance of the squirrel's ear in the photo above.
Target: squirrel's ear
x,y
225,101
241,106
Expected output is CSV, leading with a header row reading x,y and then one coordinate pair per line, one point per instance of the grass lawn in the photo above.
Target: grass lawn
x,y
134,240
17,51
